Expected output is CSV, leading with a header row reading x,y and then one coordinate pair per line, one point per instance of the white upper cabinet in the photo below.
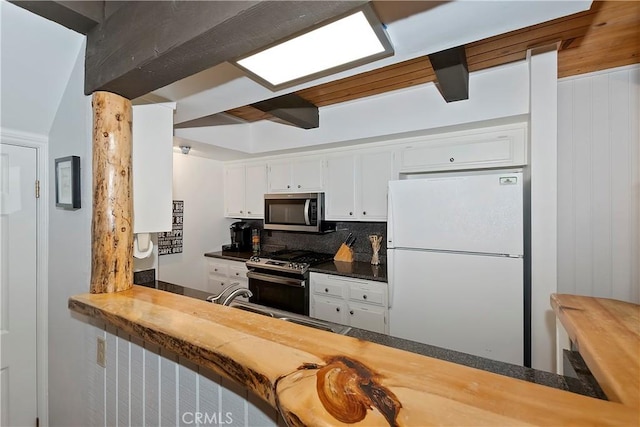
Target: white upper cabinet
x,y
244,188
500,146
375,172
296,175
152,161
357,185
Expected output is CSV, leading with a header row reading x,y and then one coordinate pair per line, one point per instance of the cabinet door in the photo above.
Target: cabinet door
x,y
234,183
307,174
279,177
255,187
340,191
367,317
376,170
330,309
216,284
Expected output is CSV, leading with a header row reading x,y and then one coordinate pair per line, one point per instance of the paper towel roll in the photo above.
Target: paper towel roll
x,y
142,245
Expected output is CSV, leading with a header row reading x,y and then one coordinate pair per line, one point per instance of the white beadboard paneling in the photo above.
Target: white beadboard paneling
x,y
208,393
187,392
111,389
260,413
151,385
97,376
598,193
124,393
136,375
233,403
168,389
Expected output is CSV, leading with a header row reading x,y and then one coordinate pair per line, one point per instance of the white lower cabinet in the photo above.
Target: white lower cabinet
x,y
222,273
349,301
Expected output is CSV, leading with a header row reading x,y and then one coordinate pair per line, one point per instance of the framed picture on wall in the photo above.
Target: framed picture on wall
x,y
68,182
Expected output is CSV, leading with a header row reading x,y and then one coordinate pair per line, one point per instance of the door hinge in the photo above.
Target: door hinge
x,y
37,189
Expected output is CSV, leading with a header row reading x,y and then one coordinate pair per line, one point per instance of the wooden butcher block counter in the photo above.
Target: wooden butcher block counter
x,y
606,332
318,378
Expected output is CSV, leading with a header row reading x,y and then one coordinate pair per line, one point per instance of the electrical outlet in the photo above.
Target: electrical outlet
x,y
101,353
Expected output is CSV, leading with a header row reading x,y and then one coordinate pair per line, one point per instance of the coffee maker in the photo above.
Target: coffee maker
x,y
240,237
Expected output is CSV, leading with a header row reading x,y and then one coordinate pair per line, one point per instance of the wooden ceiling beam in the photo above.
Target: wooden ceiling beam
x,y
292,109
132,56
79,16
452,73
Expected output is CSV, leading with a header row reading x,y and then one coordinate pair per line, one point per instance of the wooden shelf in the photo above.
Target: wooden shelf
x,y
606,332
295,369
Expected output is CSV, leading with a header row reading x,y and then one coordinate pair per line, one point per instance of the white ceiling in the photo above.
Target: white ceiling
x,y
36,62
443,25
38,56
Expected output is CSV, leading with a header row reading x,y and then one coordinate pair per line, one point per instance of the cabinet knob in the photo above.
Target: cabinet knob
x,y
350,213
215,269
240,211
364,296
299,186
288,186
351,312
326,289
452,160
249,212
237,274
364,212
338,309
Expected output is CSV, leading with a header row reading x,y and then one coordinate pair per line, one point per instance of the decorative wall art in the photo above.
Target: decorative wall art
x,y
67,171
171,242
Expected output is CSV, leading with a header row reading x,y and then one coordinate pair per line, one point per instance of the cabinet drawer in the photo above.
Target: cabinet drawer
x,y
366,294
237,272
218,268
216,283
329,289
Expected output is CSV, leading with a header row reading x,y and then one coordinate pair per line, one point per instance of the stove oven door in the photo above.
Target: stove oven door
x,y
284,292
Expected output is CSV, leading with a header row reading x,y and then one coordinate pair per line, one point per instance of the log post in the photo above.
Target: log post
x,y
112,221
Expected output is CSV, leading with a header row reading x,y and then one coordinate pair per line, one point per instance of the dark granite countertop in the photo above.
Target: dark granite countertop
x,y
357,269
584,385
230,255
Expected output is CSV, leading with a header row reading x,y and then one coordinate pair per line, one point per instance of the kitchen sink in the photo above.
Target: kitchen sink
x,y
291,317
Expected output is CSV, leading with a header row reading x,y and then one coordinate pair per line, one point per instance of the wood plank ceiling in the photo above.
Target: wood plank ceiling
x,y
606,36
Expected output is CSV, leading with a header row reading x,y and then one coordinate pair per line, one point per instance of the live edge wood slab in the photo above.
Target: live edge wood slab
x,y
318,378
606,332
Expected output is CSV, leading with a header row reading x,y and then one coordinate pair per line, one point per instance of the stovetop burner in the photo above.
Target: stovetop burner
x,y
288,260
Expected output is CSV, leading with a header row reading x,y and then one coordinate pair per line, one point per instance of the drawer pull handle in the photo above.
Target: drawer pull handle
x,y
351,312
326,289
364,296
338,309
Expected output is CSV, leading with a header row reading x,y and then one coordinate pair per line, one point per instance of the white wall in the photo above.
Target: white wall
x,y
199,182
493,94
598,184
143,385
69,256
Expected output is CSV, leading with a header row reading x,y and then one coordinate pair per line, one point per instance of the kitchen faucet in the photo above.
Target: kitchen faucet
x,y
235,293
232,295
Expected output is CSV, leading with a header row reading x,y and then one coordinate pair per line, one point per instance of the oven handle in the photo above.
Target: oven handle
x,y
276,279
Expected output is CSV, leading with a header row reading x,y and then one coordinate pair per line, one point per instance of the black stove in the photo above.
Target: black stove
x,y
288,261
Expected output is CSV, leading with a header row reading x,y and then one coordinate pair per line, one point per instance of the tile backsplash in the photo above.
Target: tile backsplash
x,y
271,240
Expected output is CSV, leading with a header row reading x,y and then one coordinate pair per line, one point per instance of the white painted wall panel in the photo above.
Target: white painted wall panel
x,y
144,385
598,186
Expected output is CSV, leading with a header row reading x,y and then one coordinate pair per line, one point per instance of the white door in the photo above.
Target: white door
x,y
340,194
376,170
255,186
467,212
18,403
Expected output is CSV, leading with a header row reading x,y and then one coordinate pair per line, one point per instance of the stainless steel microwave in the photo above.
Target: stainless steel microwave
x,y
294,212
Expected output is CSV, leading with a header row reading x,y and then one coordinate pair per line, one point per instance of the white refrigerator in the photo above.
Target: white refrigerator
x,y
455,262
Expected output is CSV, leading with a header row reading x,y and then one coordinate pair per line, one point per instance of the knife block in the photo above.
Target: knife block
x,y
344,254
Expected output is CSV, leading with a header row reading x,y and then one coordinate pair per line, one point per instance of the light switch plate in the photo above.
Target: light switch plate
x,y
101,351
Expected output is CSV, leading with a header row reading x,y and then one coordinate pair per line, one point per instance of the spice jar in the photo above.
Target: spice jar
x,y
255,240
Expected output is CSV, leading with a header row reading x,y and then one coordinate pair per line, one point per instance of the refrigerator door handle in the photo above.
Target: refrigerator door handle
x,y
390,275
